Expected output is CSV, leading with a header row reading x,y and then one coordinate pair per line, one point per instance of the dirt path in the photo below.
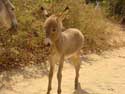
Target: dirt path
x,y
104,75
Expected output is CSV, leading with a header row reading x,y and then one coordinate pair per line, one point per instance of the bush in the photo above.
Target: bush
x,y
115,8
27,47
91,22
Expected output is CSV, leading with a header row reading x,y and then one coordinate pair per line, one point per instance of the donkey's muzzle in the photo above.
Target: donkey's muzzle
x,y
47,42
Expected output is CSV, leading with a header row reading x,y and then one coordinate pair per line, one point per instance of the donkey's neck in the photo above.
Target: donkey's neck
x,y
59,43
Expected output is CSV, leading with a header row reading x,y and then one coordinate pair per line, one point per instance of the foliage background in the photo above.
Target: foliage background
x,y
26,47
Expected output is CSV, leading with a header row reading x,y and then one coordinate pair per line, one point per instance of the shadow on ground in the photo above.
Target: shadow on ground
x,y
80,90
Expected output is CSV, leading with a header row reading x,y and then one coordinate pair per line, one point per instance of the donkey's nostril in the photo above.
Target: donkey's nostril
x,y
48,45
47,42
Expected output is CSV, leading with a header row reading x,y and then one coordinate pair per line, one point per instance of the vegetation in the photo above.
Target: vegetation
x,y
26,47
114,8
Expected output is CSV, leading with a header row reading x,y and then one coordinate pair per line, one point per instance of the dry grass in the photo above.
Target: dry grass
x,y
91,22
27,47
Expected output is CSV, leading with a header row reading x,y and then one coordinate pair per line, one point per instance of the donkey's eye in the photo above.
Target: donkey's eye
x,y
12,9
54,29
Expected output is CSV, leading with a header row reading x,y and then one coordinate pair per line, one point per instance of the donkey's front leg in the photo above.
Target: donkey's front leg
x,y
59,74
50,74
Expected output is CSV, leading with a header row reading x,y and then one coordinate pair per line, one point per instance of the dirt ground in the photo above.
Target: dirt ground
x,y
103,74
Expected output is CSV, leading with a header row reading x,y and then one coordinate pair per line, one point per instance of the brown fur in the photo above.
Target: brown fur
x,y
7,15
65,44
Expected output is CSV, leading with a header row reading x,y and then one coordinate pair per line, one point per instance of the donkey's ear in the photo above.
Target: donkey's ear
x,y
8,4
63,14
44,12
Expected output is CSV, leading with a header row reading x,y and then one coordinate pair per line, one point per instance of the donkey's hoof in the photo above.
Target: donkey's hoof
x,y
48,92
76,86
59,91
49,89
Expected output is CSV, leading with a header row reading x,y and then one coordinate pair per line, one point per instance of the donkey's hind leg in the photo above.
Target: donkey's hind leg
x,y
76,62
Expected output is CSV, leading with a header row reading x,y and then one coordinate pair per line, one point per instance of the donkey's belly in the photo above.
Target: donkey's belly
x,y
72,49
71,55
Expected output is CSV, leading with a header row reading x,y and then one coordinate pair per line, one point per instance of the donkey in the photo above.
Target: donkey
x,y
64,44
7,16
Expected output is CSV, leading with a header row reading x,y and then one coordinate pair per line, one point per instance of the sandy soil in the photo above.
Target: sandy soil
x,y
104,74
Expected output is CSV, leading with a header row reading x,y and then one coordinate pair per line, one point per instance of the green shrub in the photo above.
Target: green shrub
x,y
115,8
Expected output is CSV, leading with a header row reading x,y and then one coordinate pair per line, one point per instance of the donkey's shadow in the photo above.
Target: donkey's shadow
x,y
80,90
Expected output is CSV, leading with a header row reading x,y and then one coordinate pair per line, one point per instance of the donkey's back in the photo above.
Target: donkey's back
x,y
73,40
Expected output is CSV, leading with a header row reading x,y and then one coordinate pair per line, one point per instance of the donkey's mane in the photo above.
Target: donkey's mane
x,y
1,5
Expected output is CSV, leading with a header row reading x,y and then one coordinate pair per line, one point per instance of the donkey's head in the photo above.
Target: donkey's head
x,y
7,16
53,27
